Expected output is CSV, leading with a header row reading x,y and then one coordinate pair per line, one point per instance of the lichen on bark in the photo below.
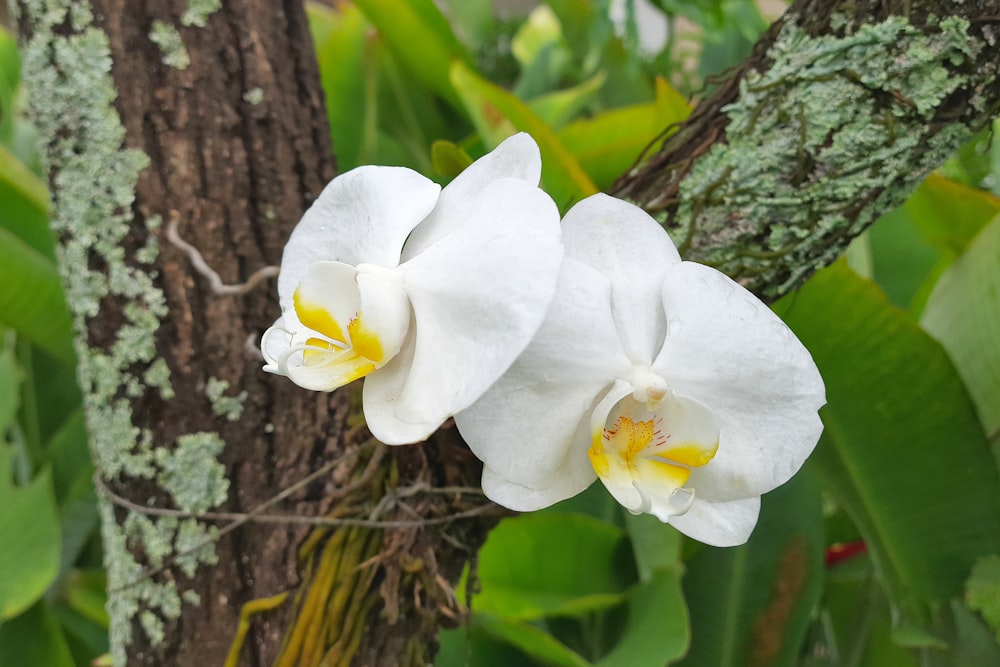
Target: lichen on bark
x,y
804,146
93,177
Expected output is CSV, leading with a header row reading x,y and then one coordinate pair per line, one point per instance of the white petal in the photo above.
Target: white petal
x,y
478,297
363,215
383,318
273,344
626,245
381,393
728,351
511,495
532,428
327,298
724,524
517,157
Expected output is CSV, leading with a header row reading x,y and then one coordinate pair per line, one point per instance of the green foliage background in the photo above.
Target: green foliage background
x,y
884,550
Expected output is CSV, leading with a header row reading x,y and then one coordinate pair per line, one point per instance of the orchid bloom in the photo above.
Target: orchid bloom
x,y
429,294
675,386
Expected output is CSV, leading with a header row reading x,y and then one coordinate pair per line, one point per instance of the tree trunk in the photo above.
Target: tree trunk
x,y
209,120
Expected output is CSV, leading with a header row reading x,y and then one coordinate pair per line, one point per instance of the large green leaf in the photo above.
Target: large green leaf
x,y
29,524
34,639
9,384
750,605
949,214
421,37
963,314
341,47
31,297
25,204
521,573
530,639
497,114
609,143
901,257
656,629
10,76
902,451
856,626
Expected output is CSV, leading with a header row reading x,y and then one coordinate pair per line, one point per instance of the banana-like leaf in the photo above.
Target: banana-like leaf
x,y
751,605
497,114
903,451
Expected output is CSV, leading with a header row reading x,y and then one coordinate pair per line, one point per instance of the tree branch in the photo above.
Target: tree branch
x,y
840,111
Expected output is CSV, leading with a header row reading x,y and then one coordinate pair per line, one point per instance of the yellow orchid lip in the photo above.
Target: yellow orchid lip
x,y
648,454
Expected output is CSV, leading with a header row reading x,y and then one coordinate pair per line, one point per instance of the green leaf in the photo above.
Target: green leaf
x,y
855,621
472,20
902,452
559,107
29,522
449,159
10,77
949,214
468,646
31,297
9,387
963,314
497,114
982,590
751,605
520,576
34,639
345,65
530,639
656,630
85,593
421,38
656,545
609,143
25,205
901,258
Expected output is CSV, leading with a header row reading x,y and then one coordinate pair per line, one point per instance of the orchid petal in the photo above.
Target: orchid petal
x,y
354,320
517,157
728,351
478,297
327,299
362,216
723,524
532,428
625,244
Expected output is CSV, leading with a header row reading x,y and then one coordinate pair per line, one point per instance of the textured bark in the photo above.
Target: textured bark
x,y
237,147
771,224
225,135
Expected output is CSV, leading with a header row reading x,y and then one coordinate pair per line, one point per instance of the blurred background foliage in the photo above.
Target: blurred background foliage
x,y
883,551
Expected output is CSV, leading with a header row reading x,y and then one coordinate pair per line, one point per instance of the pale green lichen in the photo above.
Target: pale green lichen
x,y
171,45
819,143
198,11
68,64
191,471
254,96
230,407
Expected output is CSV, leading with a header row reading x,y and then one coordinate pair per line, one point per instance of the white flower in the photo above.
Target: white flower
x,y
675,386
429,293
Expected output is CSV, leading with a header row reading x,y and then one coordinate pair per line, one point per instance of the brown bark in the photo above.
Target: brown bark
x,y
236,175
238,146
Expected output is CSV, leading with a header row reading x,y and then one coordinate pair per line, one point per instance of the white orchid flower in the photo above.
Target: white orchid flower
x,y
675,386
430,294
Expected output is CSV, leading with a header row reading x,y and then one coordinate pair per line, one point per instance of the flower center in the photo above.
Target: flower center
x,y
357,320
645,456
